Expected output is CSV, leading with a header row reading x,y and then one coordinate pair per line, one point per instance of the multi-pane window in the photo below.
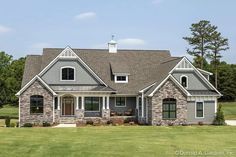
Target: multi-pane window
x,y
184,81
91,103
36,104
121,79
68,74
169,108
199,109
120,102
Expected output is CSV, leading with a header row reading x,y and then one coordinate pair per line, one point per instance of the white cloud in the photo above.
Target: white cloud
x,y
4,29
85,16
131,42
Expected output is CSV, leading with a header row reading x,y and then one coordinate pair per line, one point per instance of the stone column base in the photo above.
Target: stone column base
x,y
79,113
106,114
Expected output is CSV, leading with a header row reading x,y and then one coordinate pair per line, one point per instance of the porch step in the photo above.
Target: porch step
x,y
67,120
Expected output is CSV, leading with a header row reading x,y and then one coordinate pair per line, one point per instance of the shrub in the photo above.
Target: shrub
x,y
219,119
7,121
46,124
27,125
170,123
12,125
117,121
89,122
200,123
17,124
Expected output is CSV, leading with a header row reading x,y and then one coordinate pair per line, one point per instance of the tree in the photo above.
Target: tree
x,y
216,45
5,61
219,119
200,37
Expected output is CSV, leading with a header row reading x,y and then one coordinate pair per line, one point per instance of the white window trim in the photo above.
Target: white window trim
x,y
98,104
186,80
203,106
120,106
126,81
67,67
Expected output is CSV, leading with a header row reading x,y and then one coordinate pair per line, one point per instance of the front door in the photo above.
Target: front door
x,y
68,106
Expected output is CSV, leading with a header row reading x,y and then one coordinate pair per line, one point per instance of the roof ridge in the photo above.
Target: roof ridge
x,y
173,59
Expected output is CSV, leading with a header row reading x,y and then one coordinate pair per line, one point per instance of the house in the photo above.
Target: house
x,y
71,85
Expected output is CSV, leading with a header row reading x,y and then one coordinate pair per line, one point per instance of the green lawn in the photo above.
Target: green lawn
x,y
229,109
118,141
8,110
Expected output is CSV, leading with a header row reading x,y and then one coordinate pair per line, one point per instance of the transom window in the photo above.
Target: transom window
x,y
120,102
169,108
199,109
91,103
121,79
68,73
36,104
184,81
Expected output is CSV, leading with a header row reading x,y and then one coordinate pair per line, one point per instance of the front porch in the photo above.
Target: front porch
x,y
68,108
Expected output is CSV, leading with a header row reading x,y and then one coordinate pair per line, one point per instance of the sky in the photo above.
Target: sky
x,y
28,26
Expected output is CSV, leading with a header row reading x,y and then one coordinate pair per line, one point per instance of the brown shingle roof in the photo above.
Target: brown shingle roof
x,y
32,68
145,66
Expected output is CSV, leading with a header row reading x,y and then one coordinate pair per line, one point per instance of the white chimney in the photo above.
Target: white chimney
x,y
112,45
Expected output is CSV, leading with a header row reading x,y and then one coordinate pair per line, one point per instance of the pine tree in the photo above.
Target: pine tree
x,y
200,37
216,45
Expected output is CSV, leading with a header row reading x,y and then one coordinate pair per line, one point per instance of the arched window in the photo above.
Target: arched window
x,y
36,104
184,81
67,73
169,108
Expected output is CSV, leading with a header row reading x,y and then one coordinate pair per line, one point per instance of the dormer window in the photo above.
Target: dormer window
x,y
67,74
184,81
121,78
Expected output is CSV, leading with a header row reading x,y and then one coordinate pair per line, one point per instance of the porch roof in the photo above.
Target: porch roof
x,y
81,88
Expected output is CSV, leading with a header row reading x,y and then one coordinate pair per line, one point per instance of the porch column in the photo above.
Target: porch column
x,y
103,102
142,105
77,103
82,101
108,102
58,102
137,102
53,112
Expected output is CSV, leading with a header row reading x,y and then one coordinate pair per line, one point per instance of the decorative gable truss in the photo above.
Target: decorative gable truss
x,y
67,53
185,64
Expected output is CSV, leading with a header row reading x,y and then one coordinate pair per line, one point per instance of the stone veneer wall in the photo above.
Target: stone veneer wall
x,y
168,90
106,114
36,89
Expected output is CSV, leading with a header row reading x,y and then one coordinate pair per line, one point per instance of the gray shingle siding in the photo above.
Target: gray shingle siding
x,y
130,104
209,113
82,76
194,82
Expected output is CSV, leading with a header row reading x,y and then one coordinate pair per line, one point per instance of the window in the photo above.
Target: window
x,y
120,102
68,73
199,109
36,104
169,108
92,103
184,81
121,79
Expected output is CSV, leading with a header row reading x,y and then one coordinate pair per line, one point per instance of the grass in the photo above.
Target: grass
x,y
229,109
117,141
8,110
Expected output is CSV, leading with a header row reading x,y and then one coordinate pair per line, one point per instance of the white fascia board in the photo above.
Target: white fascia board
x,y
142,90
79,59
175,81
31,81
205,80
198,72
204,71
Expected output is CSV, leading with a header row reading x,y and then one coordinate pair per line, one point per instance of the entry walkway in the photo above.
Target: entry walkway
x,y
231,122
65,126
